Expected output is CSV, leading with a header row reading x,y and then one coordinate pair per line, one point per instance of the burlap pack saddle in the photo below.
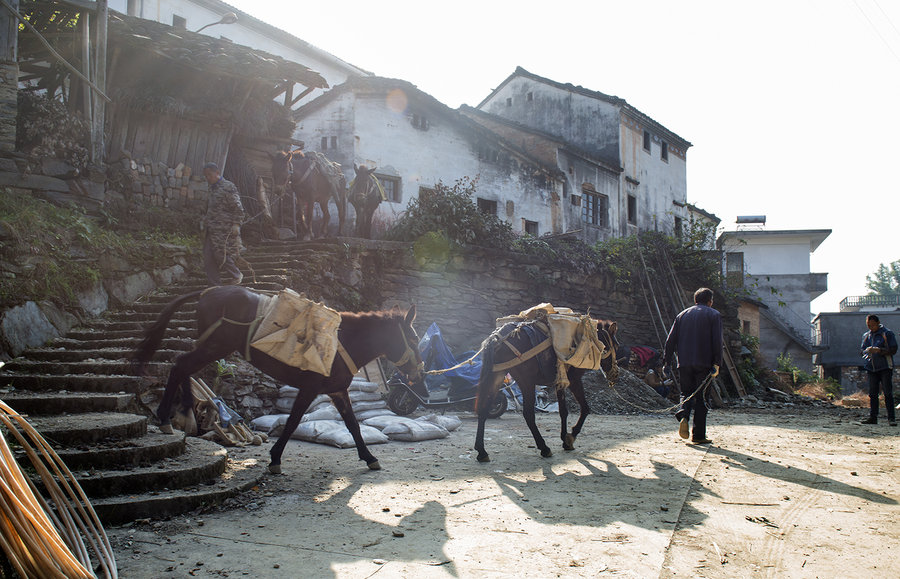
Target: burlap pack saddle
x,y
297,331
573,336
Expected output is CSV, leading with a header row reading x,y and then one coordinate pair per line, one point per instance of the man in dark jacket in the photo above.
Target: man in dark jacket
x,y
878,348
221,228
696,336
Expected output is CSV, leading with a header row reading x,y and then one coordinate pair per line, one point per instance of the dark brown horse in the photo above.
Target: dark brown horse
x,y
365,336
365,196
508,351
313,179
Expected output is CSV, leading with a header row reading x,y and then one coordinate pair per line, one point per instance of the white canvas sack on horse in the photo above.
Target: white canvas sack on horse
x,y
575,340
299,332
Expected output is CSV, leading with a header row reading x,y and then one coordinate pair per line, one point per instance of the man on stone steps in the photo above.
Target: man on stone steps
x,y
221,228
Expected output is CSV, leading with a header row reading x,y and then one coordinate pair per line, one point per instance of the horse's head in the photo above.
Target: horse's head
x,y
403,351
282,167
363,184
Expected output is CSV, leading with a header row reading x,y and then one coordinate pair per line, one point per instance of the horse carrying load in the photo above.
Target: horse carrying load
x,y
548,346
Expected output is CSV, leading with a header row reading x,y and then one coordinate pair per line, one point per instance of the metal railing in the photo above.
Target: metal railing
x,y
856,303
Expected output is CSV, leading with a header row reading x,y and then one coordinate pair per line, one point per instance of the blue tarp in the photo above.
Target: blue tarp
x,y
438,356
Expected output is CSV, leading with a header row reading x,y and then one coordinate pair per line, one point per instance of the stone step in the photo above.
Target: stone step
x,y
98,367
202,461
239,475
124,454
156,307
38,403
77,383
84,355
144,319
71,430
110,338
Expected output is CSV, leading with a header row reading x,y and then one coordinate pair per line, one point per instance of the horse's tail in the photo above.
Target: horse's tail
x,y
487,371
340,199
154,334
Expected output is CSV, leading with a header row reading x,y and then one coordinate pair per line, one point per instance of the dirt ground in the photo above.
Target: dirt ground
x,y
800,491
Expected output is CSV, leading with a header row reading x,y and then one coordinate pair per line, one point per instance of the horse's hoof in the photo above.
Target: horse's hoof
x,y
546,452
374,465
275,468
484,457
166,429
569,442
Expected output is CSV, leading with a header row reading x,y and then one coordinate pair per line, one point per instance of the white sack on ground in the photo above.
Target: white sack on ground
x,y
268,422
449,422
366,414
363,406
381,422
363,386
415,431
361,396
324,412
341,437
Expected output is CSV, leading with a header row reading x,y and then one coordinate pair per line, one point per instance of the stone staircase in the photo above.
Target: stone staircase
x,y
81,393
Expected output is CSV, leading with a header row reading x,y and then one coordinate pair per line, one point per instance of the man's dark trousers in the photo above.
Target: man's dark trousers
x,y
211,261
691,378
884,379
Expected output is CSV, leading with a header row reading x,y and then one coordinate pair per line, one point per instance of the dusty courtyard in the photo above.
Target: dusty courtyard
x,y
803,492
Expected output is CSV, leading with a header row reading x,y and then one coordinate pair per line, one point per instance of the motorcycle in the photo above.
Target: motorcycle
x,y
458,393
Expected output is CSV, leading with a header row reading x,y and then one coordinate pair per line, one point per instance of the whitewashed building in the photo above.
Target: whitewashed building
x,y
415,142
625,172
247,31
774,267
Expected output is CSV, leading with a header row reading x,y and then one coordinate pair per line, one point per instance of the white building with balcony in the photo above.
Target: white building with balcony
x,y
774,267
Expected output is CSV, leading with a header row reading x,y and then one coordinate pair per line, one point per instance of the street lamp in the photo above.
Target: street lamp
x,y
227,18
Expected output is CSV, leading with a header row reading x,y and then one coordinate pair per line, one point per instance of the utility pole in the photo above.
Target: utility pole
x,y
98,144
9,75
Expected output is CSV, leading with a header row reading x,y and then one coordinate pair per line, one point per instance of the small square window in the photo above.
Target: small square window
x,y
509,101
575,200
531,227
334,142
529,96
594,208
391,186
487,206
632,209
420,122
179,22
324,144
647,141
664,151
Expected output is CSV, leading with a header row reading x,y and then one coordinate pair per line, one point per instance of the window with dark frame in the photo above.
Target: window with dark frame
x,y
179,22
647,141
487,206
509,101
324,146
594,208
734,269
529,96
664,151
420,122
632,209
333,142
679,228
391,186
531,227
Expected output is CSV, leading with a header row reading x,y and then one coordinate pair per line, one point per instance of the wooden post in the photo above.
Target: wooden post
x,y
9,75
98,146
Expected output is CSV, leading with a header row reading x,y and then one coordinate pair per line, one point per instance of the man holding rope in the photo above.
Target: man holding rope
x,y
696,336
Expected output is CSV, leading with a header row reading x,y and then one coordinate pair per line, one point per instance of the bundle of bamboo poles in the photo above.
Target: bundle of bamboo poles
x,y
41,541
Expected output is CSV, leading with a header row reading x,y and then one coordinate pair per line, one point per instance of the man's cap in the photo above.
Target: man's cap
x,y
211,166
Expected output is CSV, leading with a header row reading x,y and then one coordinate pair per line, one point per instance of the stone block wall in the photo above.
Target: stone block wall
x,y
151,183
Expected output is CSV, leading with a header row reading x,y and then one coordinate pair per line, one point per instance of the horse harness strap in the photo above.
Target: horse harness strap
x,y
309,170
348,361
503,366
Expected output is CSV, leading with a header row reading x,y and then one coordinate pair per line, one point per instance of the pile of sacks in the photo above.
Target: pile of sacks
x,y
323,424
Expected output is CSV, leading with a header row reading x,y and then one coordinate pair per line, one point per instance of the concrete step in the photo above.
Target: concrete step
x,y
77,383
202,461
86,354
145,319
96,366
38,403
124,454
72,430
240,475
111,338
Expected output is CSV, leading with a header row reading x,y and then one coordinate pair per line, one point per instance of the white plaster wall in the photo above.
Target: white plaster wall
x,y
661,183
370,133
588,123
782,256
198,16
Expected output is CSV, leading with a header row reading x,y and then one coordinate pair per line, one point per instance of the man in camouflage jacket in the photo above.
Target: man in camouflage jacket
x,y
221,228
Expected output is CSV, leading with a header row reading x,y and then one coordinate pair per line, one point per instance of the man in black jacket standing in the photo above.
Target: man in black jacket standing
x,y
696,336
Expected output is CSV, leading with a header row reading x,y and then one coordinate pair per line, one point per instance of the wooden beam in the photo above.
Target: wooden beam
x,y
9,33
302,94
99,116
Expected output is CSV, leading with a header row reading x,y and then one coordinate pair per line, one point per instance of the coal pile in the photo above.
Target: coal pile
x,y
630,395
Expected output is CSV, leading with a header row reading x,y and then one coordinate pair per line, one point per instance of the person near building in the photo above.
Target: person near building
x,y
221,229
878,348
696,339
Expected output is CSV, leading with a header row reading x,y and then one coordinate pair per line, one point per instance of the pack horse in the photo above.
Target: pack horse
x,y
225,316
